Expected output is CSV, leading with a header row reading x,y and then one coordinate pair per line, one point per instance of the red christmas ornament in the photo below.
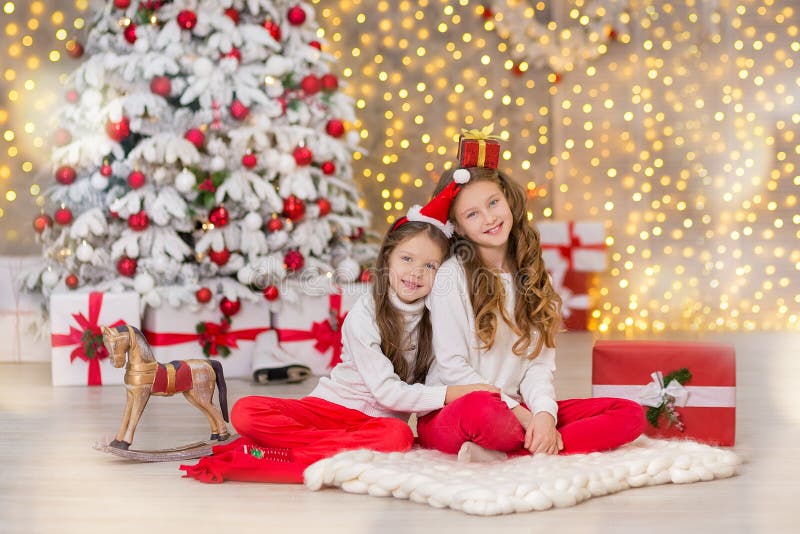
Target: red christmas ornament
x,y
105,170
65,175
161,86
232,14
136,179
271,293
122,4
296,15
273,29
71,280
315,44
357,234
63,216
310,84
329,82
61,137
220,257
366,276
293,208
234,53
303,156
126,266
556,78
294,260
229,307
335,128
130,33
249,160
118,131
239,111
74,49
328,168
219,216
203,295
71,96
487,13
196,137
274,224
187,19
612,34
42,222
138,222
324,206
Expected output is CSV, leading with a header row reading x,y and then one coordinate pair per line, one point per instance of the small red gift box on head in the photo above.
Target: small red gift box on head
x,y
479,148
687,390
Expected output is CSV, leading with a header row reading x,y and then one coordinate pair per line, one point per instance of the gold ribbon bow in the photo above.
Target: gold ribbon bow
x,y
480,135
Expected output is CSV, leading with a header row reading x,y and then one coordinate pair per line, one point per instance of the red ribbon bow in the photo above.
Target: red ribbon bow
x,y
323,332
78,337
565,251
215,335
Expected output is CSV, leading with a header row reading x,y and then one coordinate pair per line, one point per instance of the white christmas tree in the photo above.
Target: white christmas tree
x,y
202,155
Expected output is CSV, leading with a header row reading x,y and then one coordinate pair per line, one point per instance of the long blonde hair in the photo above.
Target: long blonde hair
x,y
538,306
390,320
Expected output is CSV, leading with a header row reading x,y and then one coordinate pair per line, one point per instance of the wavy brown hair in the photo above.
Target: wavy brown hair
x,y
537,307
390,320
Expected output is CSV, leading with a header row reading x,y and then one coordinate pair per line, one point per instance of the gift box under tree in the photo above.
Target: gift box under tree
x,y
226,332
309,327
21,315
687,390
573,253
79,356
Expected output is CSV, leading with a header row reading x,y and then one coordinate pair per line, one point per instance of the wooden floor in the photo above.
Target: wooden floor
x,y
51,480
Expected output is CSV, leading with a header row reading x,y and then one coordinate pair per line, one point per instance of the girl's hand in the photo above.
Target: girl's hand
x,y
456,392
541,435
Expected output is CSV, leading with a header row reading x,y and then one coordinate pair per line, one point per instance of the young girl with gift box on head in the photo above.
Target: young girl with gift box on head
x,y
495,316
366,402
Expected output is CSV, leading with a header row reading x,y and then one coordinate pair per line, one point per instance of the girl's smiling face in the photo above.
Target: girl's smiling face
x,y
412,267
483,215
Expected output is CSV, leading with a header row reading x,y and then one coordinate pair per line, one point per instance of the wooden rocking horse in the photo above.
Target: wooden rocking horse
x,y
144,376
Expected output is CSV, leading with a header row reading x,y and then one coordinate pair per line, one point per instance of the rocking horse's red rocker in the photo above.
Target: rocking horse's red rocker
x,y
144,376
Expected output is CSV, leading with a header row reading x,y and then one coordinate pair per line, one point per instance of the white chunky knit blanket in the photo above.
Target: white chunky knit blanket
x,y
521,484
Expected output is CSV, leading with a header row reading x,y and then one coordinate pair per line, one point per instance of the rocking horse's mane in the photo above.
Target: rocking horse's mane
x,y
141,341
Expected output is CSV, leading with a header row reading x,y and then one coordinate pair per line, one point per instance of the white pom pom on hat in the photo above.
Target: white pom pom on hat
x,y
461,176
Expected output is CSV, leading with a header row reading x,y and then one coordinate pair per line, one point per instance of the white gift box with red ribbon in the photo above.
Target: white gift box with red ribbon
x,y
22,320
573,245
309,327
78,355
173,334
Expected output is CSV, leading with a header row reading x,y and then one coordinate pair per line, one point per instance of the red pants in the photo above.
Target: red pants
x,y
281,437
586,425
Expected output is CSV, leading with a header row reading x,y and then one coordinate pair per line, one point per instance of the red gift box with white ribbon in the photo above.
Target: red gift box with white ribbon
x,y
79,356
701,408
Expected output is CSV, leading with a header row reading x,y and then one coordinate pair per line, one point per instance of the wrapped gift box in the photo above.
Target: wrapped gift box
x,y
573,245
628,369
173,334
79,357
479,152
309,328
21,314
573,287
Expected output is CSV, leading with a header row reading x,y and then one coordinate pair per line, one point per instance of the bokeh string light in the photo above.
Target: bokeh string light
x,y
679,135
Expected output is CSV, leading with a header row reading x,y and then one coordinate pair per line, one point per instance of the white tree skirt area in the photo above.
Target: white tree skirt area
x,y
521,484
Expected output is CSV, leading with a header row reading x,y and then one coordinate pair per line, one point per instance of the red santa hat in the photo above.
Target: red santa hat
x,y
435,212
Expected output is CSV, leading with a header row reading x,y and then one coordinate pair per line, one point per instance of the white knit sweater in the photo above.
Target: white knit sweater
x,y
459,360
365,379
